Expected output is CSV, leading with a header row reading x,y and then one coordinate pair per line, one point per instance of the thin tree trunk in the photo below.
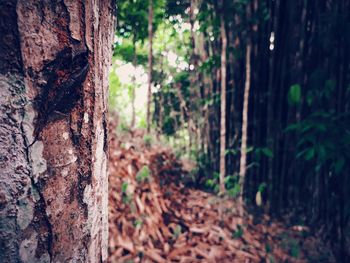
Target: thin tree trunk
x,y
243,161
223,105
54,59
150,61
133,89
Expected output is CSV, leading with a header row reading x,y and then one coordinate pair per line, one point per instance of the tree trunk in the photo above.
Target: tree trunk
x,y
133,89
243,161
223,105
150,38
54,63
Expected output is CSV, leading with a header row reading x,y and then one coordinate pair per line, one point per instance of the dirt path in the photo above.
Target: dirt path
x,y
153,218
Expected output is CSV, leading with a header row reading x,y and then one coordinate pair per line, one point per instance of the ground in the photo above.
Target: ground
x,y
153,217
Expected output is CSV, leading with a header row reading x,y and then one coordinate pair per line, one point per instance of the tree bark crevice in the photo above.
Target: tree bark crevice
x,y
53,78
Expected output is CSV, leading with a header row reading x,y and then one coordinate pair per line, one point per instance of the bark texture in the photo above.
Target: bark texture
x,y
54,60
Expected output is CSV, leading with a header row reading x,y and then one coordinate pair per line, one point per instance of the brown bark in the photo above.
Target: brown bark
x,y
223,105
243,161
53,134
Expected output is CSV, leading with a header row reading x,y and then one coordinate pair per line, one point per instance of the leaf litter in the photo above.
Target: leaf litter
x,y
153,217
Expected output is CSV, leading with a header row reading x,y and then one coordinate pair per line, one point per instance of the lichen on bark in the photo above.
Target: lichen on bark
x,y
53,72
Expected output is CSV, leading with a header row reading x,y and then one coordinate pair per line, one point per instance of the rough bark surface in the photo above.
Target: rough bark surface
x,y
54,60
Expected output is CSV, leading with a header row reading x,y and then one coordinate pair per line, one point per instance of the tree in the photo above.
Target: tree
x,y
223,102
132,24
243,161
150,40
53,135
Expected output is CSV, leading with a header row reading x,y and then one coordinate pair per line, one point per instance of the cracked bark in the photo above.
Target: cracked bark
x,y
54,60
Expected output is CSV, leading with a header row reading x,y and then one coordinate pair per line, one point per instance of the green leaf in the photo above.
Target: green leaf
x,y
262,187
309,154
143,174
249,149
238,233
294,95
124,187
234,192
138,223
267,152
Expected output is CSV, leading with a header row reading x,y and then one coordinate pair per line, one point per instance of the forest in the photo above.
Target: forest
x,y
255,93
174,131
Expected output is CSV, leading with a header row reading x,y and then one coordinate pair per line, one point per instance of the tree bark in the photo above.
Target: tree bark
x,y
133,90
223,104
54,58
243,161
150,60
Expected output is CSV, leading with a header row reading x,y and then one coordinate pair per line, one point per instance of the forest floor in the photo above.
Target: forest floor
x,y
153,217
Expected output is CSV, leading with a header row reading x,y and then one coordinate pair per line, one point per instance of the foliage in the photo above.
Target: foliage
x,y
124,50
238,233
324,138
177,231
147,139
294,95
298,107
231,184
143,174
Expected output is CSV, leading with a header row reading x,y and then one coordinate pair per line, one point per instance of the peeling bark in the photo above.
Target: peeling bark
x,y
54,61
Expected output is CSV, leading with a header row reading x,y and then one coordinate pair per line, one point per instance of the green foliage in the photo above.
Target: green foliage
x,y
138,223
324,138
234,191
177,231
268,248
124,187
267,152
294,95
294,249
262,187
126,198
147,139
290,244
114,88
125,51
211,63
236,151
143,174
213,184
231,184
124,127
132,19
174,8
238,233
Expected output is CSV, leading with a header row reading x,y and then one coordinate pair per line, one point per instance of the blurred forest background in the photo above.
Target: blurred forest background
x,y
256,93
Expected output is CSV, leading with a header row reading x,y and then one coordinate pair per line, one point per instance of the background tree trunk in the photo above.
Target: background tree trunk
x,y
150,38
223,103
133,89
243,161
54,59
